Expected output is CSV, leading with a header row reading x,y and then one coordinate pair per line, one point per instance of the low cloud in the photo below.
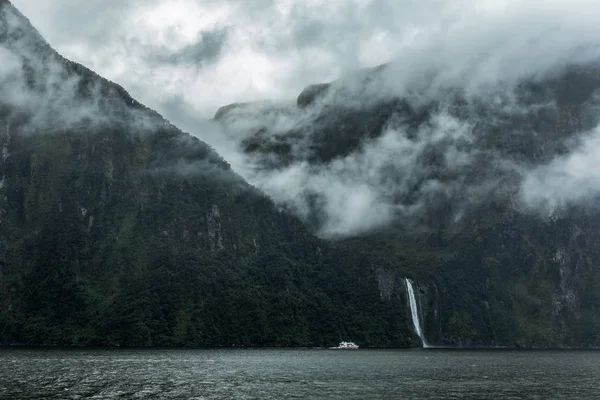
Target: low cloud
x,y
568,180
430,164
212,53
398,176
187,58
45,93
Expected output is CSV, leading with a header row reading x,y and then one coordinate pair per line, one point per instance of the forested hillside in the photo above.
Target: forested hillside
x,y
119,229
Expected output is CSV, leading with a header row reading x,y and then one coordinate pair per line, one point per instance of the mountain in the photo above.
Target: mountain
x,y
476,194
117,228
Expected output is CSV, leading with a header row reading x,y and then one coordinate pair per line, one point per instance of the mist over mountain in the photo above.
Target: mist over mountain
x,y
454,146
117,228
482,150
188,64
209,54
350,158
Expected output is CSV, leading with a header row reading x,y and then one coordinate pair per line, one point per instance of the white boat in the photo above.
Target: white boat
x,y
347,345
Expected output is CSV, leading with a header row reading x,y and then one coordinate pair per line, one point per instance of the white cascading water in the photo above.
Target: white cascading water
x,y
414,310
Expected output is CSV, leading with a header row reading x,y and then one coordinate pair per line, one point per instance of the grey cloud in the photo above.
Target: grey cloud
x,y
206,51
387,179
309,42
567,180
45,93
435,43
466,151
64,22
435,51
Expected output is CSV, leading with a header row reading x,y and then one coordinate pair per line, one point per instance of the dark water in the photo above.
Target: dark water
x,y
290,374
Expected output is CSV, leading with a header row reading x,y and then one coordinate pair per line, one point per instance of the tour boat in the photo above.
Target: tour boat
x,y
347,345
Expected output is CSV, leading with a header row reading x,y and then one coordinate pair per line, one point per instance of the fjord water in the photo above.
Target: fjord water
x,y
289,374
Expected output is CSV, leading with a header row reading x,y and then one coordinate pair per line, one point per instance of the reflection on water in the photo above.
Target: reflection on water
x,y
315,374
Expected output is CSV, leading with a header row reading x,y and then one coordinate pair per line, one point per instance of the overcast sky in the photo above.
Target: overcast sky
x,y
208,53
214,52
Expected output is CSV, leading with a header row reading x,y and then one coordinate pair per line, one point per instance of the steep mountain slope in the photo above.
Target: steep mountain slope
x,y
459,190
117,228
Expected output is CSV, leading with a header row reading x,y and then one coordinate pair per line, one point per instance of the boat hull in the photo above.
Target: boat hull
x,y
347,346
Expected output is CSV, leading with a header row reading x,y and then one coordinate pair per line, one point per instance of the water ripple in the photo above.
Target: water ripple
x,y
316,374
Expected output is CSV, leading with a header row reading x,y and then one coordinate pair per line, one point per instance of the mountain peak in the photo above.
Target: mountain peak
x,y
16,29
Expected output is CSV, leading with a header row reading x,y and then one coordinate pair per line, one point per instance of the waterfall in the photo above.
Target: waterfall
x,y
414,310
